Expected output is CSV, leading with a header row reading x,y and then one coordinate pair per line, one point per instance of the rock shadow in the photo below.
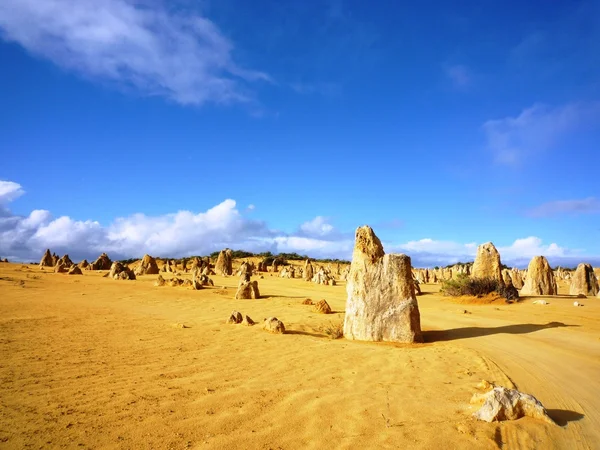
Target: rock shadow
x,y
563,416
471,332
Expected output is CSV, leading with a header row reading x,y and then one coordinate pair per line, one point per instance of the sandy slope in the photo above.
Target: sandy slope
x,y
87,362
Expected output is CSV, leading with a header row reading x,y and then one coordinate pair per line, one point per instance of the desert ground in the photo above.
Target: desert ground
x,y
91,362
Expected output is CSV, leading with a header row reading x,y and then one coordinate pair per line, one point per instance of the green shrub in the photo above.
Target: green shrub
x,y
464,285
477,287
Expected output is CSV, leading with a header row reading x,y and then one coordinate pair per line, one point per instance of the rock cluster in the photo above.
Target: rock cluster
x,y
119,271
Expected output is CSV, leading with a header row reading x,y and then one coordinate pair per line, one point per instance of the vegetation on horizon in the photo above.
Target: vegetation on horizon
x,y
477,287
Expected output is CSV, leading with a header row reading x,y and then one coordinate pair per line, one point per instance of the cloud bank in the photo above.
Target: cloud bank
x,y
536,130
183,57
185,233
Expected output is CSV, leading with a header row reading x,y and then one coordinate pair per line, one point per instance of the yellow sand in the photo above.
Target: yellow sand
x,y
89,362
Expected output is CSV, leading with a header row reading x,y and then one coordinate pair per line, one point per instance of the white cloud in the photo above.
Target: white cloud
x,y
187,233
9,190
317,227
588,205
536,129
180,56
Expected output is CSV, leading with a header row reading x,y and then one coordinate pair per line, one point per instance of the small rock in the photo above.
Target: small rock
x,y
540,302
248,321
308,301
577,304
235,317
323,307
485,385
508,404
274,325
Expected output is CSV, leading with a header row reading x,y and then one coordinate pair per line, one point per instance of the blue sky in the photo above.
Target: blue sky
x,y
180,128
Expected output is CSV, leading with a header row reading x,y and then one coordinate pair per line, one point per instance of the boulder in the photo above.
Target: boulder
x,y
381,304
147,266
119,271
247,290
274,325
47,260
540,278
102,263
487,263
324,276
224,263
60,268
234,318
160,281
75,270
508,404
584,281
65,261
248,321
323,307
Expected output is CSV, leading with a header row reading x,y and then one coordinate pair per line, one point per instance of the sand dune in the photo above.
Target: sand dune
x,y
89,362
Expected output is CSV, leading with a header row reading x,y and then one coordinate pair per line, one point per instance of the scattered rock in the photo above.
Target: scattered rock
x,y
180,325
381,304
274,325
508,404
308,301
577,304
323,307
235,317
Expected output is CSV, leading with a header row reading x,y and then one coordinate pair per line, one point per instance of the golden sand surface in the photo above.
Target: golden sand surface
x,y
90,362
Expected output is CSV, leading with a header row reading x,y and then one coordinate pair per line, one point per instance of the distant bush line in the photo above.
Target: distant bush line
x,y
282,258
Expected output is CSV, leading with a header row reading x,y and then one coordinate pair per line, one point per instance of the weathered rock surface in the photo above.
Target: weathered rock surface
x,y
274,325
308,272
487,263
381,304
234,318
584,281
248,321
83,264
160,281
224,263
47,260
75,270
102,263
540,278
119,271
147,266
247,290
508,404
323,307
